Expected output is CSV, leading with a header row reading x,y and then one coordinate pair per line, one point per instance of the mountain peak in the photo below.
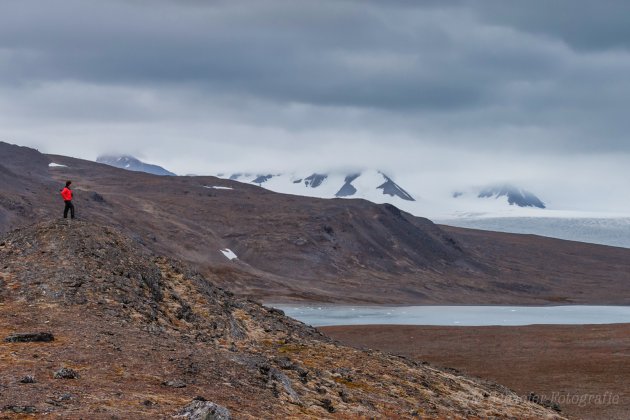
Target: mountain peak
x,y
347,189
371,185
389,187
315,180
515,195
131,163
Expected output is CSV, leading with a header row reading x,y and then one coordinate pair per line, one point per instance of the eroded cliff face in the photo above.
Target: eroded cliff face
x,y
141,335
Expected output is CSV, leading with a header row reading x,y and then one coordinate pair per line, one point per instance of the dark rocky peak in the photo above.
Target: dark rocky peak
x,y
131,163
261,179
238,175
515,196
348,190
389,187
315,180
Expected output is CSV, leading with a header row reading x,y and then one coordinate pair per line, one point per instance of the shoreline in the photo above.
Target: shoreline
x,y
409,305
461,315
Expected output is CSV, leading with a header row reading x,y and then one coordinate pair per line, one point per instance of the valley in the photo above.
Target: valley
x,y
237,244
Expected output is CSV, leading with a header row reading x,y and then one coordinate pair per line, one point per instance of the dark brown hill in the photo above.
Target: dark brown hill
x,y
298,248
123,333
25,186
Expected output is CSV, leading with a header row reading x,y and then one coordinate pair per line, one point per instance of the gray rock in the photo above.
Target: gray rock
x,y
65,397
204,410
275,311
283,379
97,197
300,241
41,337
66,373
174,384
543,402
28,380
328,405
21,409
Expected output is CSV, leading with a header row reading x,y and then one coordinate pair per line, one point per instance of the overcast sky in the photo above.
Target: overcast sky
x,y
534,92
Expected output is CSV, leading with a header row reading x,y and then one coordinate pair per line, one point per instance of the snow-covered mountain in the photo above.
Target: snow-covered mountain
x,y
370,185
503,207
421,199
515,196
130,163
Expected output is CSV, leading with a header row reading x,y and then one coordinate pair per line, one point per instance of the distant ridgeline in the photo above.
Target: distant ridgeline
x,y
367,184
130,163
378,187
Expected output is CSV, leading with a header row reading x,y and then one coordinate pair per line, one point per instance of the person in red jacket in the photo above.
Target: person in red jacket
x,y
66,194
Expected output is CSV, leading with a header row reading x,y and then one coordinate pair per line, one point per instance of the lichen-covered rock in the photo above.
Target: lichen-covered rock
x,y
204,410
174,384
28,379
66,373
20,409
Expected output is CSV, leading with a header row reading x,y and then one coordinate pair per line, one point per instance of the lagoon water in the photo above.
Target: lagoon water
x,y
456,315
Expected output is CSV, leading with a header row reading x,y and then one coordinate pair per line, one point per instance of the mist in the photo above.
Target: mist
x,y
439,95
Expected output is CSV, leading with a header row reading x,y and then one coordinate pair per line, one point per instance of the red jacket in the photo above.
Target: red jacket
x,y
66,193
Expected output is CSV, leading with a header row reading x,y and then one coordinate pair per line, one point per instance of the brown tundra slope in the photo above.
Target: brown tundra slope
x,y
583,368
127,334
294,248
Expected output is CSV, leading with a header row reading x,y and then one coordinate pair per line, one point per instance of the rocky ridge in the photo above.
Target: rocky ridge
x,y
147,337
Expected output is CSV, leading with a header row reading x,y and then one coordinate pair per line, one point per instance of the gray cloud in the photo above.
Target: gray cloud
x,y
279,78
584,25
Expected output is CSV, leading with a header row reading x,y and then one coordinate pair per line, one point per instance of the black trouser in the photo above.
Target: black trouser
x,y
69,206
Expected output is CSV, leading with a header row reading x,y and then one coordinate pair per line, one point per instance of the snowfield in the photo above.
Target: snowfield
x,y
441,203
229,254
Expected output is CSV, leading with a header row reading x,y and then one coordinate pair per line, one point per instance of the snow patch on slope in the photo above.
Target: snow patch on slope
x,y
229,254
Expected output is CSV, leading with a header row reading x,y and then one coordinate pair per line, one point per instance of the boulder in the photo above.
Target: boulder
x,y
204,410
66,373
